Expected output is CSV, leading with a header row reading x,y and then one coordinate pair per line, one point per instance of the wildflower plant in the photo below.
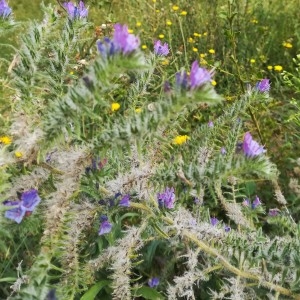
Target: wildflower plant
x,y
122,189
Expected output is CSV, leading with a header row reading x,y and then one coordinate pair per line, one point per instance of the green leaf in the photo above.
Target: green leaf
x,y
94,290
149,293
8,279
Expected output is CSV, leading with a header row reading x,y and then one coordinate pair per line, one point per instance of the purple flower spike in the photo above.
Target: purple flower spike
x,y
167,198
105,226
153,282
5,10
263,86
125,201
273,212
30,200
124,41
161,49
76,12
198,76
250,147
256,202
214,221
182,80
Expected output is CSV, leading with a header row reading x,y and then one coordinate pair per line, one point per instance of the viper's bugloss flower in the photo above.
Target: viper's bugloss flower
x,y
227,228
125,42
5,10
182,80
263,86
106,47
161,49
74,11
29,200
214,221
273,212
125,201
153,282
246,202
167,198
105,225
199,76
250,147
256,202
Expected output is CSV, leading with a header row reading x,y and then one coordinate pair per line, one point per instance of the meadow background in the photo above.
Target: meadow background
x,y
61,135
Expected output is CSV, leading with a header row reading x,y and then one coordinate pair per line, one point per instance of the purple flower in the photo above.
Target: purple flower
x,y
263,86
161,49
125,201
246,202
250,147
198,76
273,212
182,80
210,124
153,282
76,12
5,10
105,226
106,47
29,200
214,221
227,228
167,198
167,87
223,151
256,202
124,41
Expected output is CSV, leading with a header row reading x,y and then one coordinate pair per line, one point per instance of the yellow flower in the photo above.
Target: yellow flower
x,y
213,83
195,49
191,40
115,106
183,13
71,73
270,67
6,140
130,31
278,68
252,61
211,51
205,33
165,62
138,24
180,139
18,154
287,45
203,61
154,1
157,11
144,47
202,55
197,34
138,110
254,21
168,23
161,36
175,7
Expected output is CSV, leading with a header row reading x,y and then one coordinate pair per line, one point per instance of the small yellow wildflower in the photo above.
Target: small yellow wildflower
x,y
203,61
270,67
254,21
161,36
71,73
213,83
211,51
18,154
6,140
191,40
183,13
130,31
144,47
154,1
158,11
138,110
138,24
175,7
115,106
165,62
197,34
168,23
202,55
252,61
278,68
180,139
287,45
205,33
195,49
229,98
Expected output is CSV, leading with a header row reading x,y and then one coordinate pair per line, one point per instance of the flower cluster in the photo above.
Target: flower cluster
x,y
256,202
122,42
74,11
29,200
250,147
5,10
263,86
167,198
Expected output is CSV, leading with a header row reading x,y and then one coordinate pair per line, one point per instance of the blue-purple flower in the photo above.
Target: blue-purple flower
x,y
125,201
246,202
210,124
167,198
106,47
214,221
227,228
182,80
273,212
29,200
250,147
263,86
153,282
198,76
161,49
5,10
223,151
256,202
105,225
74,11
